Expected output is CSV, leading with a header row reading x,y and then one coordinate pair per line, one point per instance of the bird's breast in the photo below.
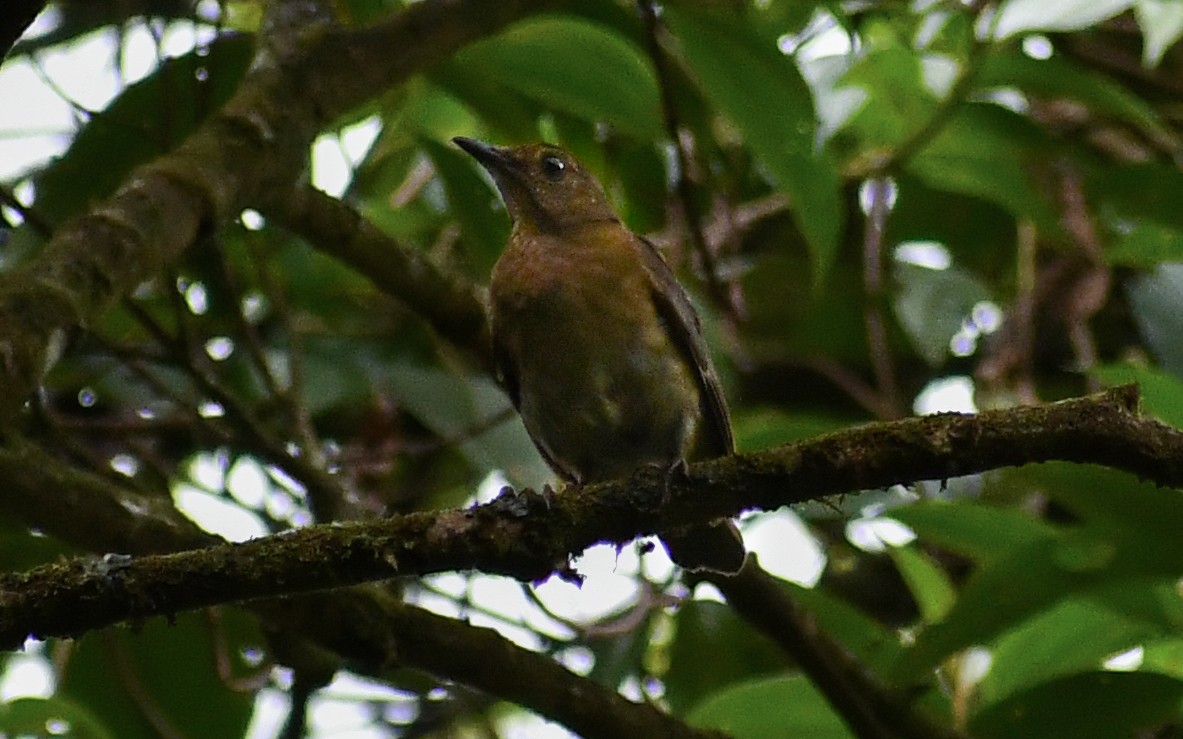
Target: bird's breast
x,y
602,388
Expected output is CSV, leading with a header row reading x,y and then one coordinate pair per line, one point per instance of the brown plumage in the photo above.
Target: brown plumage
x,y
597,344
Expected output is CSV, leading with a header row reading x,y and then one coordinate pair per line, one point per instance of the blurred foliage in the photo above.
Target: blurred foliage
x,y
889,195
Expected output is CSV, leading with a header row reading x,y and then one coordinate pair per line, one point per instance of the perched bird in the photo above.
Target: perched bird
x,y
597,345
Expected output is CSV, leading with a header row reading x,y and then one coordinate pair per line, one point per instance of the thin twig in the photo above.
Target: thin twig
x,y
136,689
254,343
879,350
851,383
683,187
323,489
293,397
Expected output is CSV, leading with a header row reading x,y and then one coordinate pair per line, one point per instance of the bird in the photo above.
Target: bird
x,y
596,343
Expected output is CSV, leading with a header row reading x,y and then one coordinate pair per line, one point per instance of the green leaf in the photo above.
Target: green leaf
x,y
1164,656
933,304
1093,705
642,175
762,92
1162,393
1161,23
146,120
1078,634
763,428
1057,77
836,103
433,113
897,98
114,673
1023,16
928,582
32,717
987,151
789,318
1146,246
1077,562
1107,499
713,648
472,200
1139,192
504,112
995,597
576,66
21,549
1157,303
970,227
771,709
973,530
359,12
873,643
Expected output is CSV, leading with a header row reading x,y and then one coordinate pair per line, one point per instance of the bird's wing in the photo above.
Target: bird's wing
x,y
686,332
507,374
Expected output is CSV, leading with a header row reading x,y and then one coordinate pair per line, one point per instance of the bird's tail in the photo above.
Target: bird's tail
x,y
716,547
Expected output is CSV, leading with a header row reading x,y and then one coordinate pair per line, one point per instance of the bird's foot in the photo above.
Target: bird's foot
x,y
677,472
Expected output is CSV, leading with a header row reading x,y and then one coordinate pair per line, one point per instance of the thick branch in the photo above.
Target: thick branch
x,y
376,631
87,511
252,150
477,657
529,536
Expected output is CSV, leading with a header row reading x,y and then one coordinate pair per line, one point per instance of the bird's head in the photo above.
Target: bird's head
x,y
543,186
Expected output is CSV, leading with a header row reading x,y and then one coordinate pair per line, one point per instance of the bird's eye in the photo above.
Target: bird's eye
x,y
553,167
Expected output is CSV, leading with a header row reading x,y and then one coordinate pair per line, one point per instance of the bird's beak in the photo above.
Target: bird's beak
x,y
493,158
505,168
